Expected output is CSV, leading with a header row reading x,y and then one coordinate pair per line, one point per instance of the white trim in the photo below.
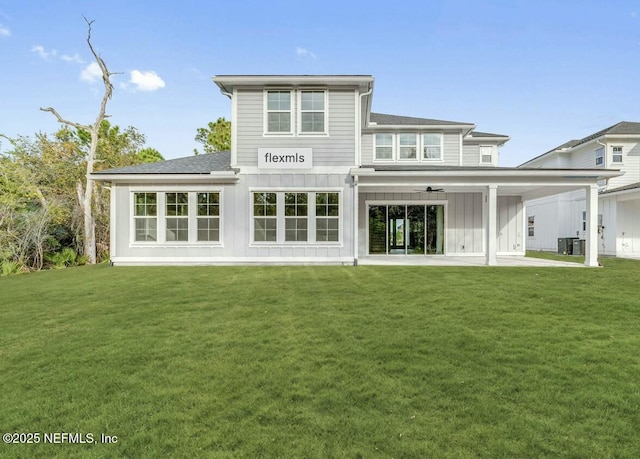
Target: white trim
x,y
213,177
311,217
234,128
161,217
375,148
404,202
228,261
265,113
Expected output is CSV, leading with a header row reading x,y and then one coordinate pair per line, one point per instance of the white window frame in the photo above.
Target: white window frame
x,y
291,112
311,217
135,217
324,111
599,156
209,218
617,152
424,146
161,216
487,150
375,147
415,145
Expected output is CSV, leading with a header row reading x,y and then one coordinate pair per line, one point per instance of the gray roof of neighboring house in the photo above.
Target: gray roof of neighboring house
x,y
196,164
631,186
394,120
621,128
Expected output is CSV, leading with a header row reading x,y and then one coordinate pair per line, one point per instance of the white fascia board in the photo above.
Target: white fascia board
x,y
216,177
412,127
486,173
228,82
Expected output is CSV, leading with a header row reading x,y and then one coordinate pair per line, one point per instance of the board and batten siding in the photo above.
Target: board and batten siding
x,y
463,231
336,149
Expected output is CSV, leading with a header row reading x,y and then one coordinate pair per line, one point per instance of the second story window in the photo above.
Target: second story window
x,y
278,112
600,156
616,156
384,146
408,146
312,112
432,146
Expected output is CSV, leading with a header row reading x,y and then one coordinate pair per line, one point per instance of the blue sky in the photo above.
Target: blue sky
x,y
542,72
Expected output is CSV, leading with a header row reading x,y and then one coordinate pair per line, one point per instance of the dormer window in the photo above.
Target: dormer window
x,y
432,146
486,156
408,146
384,147
279,112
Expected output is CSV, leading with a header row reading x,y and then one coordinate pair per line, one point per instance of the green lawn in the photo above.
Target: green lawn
x,y
324,361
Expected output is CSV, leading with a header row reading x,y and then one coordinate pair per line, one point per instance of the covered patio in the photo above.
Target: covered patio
x,y
488,194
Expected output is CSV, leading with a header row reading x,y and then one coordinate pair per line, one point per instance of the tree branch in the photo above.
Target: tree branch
x,y
108,87
63,121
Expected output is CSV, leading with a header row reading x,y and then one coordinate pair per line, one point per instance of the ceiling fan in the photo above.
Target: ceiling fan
x,y
430,189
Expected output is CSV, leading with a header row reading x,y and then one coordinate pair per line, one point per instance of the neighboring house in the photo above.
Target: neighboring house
x,y
564,215
313,176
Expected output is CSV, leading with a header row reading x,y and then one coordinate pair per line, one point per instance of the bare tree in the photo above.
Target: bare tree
x,y
85,194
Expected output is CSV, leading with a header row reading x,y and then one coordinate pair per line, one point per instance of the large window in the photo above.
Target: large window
x,y
296,217
279,112
265,222
208,216
327,217
432,146
312,112
145,216
176,217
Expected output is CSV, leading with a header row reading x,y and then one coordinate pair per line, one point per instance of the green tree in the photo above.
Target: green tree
x,y
215,137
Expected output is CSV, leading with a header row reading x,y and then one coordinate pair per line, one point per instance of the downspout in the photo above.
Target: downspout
x,y
356,197
606,182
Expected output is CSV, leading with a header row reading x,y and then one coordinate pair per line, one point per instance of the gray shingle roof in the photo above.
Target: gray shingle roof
x,y
485,134
394,120
621,128
631,186
197,164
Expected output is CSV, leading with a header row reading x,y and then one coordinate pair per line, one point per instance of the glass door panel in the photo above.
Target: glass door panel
x,y
415,230
435,229
378,229
396,229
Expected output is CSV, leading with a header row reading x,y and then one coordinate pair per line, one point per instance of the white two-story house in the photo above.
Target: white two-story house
x,y
564,215
313,176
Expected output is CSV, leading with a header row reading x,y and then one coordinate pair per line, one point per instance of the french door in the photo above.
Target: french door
x,y
411,229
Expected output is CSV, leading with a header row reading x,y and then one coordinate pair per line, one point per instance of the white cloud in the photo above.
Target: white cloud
x,y
75,58
4,31
146,81
303,52
43,53
91,73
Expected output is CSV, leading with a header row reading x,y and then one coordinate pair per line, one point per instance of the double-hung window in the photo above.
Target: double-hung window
x,y
265,217
208,217
327,217
600,156
616,156
295,217
145,216
408,146
279,108
384,147
312,112
432,146
177,216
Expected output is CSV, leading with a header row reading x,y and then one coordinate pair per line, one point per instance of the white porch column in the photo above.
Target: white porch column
x,y
355,219
491,224
591,243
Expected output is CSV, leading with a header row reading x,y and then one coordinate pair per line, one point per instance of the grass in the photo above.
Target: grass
x,y
324,361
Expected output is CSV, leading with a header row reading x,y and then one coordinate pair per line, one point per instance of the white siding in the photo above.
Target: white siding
x,y
336,149
510,225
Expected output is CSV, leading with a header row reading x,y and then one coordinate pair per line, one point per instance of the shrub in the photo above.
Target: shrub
x,y
10,267
66,257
